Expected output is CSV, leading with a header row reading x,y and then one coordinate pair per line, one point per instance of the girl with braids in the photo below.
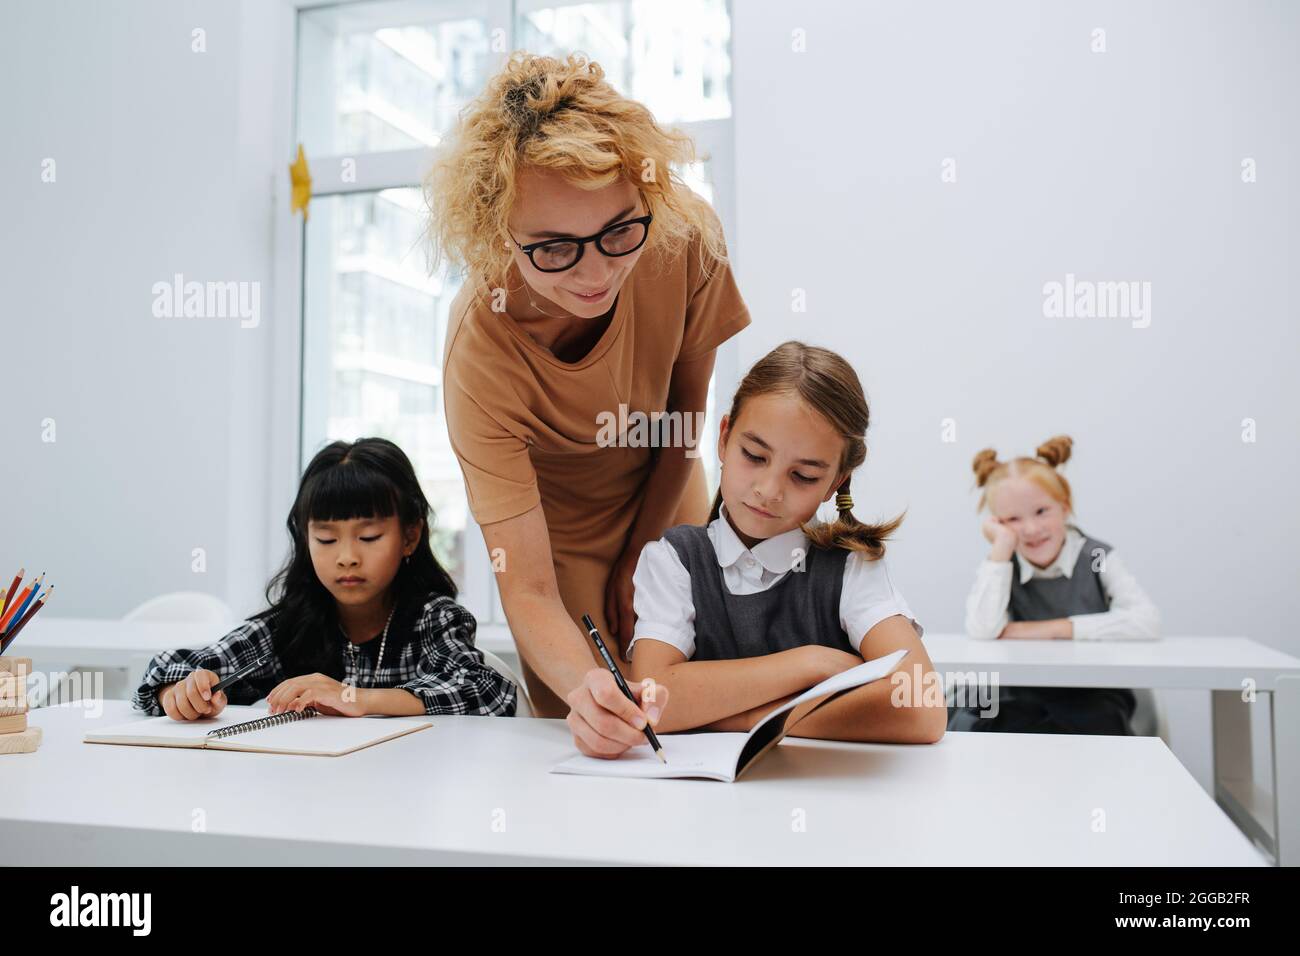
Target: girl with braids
x,y
740,616
1046,579
362,618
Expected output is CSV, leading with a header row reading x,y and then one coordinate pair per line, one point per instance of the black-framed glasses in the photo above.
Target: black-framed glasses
x,y
556,255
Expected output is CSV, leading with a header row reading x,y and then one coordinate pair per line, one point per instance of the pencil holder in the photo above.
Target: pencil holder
x,y
13,683
16,737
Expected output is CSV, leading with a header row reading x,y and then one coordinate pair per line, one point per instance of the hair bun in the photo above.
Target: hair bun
x,y
1056,451
983,465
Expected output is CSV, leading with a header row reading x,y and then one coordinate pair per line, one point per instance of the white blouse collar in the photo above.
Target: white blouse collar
x,y
1062,565
777,554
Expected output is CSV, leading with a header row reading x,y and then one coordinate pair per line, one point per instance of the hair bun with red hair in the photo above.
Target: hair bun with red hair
x,y
984,464
1055,451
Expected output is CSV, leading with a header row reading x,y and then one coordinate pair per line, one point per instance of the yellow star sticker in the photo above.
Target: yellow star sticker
x,y
301,180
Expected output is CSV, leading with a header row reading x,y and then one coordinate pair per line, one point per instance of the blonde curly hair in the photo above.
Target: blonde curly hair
x,y
560,115
1041,470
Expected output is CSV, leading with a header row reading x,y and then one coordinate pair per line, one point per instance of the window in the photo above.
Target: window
x,y
378,85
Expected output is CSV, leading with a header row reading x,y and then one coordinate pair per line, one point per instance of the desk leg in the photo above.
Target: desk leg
x,y
1234,772
1286,770
1231,717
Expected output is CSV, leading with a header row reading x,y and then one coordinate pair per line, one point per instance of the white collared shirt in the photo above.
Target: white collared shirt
x,y
1132,615
665,609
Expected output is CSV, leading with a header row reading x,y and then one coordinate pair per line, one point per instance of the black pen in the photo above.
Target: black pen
x,y
622,684
242,672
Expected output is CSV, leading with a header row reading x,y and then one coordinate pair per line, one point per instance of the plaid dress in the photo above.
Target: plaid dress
x,y
438,664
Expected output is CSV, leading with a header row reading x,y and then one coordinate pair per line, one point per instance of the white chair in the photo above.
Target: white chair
x,y
525,704
188,606
1149,716
191,606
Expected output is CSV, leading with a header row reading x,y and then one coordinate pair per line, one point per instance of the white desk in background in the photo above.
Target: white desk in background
x,y
475,790
93,643
130,645
1224,666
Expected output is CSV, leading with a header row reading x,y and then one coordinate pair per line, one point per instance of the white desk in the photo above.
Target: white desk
x,y
475,790
92,643
95,642
1221,665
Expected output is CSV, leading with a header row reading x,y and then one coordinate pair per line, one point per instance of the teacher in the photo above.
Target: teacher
x,y
597,287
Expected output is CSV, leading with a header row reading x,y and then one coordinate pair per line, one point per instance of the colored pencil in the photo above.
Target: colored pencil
x,y
24,605
18,579
12,636
22,596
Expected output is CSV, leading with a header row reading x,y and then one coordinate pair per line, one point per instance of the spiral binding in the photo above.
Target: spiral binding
x,y
263,722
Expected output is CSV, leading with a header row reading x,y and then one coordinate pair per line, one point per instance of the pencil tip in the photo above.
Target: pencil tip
x,y
660,754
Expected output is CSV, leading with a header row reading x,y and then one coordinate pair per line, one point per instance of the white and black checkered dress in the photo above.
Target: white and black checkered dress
x,y
438,664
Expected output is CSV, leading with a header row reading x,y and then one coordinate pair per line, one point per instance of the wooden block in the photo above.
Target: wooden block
x,y
13,725
21,743
16,665
13,695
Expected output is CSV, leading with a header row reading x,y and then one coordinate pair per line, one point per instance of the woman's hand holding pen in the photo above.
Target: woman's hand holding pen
x,y
192,698
604,723
1001,537
324,694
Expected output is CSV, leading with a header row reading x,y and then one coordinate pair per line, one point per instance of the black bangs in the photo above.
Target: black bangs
x,y
367,478
349,489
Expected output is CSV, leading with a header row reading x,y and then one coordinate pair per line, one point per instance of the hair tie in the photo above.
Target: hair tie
x,y
844,501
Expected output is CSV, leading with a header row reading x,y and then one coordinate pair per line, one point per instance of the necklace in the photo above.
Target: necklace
x,y
528,290
356,666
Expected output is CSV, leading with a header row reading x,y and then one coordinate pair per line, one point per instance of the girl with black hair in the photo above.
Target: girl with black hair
x,y
362,617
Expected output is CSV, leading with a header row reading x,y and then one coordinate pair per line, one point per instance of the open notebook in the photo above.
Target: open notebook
x,y
252,729
725,756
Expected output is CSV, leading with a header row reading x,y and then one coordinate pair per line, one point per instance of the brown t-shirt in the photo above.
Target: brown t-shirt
x,y
524,424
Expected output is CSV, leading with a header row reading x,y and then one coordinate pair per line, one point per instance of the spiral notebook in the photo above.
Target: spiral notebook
x,y
254,730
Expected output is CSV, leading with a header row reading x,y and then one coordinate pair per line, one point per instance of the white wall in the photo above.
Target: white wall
x,y
1113,166
164,164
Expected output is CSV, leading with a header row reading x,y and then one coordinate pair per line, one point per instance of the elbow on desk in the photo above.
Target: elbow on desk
x,y
979,632
921,724
930,726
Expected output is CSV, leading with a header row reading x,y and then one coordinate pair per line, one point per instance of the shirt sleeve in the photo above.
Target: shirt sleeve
x,y
499,478
1132,615
868,597
452,677
241,647
715,311
665,610
989,598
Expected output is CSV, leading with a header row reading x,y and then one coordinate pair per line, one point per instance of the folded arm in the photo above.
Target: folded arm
x,y
907,707
705,692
